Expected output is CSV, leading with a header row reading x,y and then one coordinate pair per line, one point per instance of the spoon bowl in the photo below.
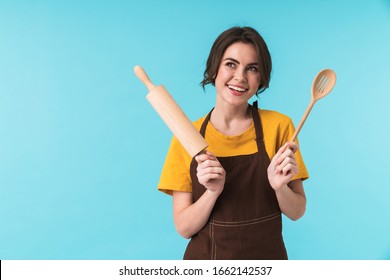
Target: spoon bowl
x,y
322,85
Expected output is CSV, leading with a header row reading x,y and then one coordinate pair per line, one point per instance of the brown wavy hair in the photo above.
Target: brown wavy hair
x,y
247,35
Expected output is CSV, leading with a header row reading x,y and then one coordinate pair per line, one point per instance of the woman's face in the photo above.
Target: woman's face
x,y
238,76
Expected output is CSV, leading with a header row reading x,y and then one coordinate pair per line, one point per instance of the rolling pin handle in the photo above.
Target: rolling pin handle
x,y
141,74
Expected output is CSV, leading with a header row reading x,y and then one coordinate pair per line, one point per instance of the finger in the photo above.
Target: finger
x,y
293,146
210,170
210,154
288,160
213,176
203,157
289,170
287,146
286,171
209,163
283,156
281,150
288,153
204,180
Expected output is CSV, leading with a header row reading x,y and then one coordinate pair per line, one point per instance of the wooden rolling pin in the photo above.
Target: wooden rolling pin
x,y
172,115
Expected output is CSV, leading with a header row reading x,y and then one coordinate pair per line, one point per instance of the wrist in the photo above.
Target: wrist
x,y
213,193
281,189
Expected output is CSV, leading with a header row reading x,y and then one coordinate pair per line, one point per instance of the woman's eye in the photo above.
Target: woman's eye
x,y
230,64
253,69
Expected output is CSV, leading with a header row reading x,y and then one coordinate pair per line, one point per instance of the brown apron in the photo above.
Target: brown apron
x,y
246,221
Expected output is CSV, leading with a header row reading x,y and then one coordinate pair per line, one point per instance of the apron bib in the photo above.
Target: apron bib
x,y
246,221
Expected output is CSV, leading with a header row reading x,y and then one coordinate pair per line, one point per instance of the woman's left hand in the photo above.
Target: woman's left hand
x,y
283,166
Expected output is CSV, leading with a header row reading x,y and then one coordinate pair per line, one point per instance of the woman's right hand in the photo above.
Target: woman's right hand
x,y
210,172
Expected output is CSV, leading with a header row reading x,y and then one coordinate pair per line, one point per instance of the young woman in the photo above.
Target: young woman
x,y
229,199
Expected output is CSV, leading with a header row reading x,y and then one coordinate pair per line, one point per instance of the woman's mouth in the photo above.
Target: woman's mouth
x,y
237,90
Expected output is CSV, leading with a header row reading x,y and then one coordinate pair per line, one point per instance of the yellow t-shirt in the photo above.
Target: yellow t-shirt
x,y
277,130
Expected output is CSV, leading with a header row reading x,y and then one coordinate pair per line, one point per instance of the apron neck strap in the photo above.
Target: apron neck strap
x,y
204,124
256,120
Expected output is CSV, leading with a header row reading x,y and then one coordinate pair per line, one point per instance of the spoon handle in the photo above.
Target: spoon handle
x,y
311,104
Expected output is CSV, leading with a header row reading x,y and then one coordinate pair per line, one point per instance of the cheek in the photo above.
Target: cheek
x,y
221,78
257,81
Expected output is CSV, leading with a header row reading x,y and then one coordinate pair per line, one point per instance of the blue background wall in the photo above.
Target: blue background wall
x,y
81,149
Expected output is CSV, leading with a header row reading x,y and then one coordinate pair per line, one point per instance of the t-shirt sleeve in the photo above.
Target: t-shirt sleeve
x,y
175,175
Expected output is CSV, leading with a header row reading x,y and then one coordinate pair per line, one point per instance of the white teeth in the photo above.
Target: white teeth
x,y
237,88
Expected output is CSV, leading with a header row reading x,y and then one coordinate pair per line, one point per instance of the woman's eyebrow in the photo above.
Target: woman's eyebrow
x,y
232,59
236,61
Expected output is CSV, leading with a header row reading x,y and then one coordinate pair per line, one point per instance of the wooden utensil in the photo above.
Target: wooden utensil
x,y
172,115
322,85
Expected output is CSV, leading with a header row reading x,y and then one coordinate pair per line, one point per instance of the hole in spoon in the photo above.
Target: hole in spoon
x,y
322,83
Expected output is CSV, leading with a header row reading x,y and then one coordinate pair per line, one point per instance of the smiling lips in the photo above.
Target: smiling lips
x,y
237,90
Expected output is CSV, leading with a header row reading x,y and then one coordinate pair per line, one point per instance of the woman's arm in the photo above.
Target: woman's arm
x,y
292,199
290,195
190,217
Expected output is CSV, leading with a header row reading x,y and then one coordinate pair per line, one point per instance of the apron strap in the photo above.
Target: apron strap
x,y
256,120
204,124
258,126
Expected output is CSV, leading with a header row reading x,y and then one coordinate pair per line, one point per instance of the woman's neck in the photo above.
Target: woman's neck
x,y
231,120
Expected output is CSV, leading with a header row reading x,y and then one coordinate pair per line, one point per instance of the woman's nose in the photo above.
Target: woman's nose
x,y
240,75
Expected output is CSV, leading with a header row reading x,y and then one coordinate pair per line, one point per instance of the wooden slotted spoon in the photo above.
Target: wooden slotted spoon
x,y
322,85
